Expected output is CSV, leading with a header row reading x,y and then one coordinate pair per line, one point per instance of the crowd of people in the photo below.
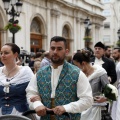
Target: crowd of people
x,y
82,84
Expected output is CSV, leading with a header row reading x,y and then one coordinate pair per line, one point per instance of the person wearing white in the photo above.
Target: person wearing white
x,y
116,104
98,79
56,71
99,75
13,82
83,92
17,83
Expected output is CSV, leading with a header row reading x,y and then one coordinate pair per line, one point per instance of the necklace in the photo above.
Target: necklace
x,y
8,72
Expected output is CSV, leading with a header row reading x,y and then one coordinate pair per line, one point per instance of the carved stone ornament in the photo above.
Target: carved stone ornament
x,y
55,13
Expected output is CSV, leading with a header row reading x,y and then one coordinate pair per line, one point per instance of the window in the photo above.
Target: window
x,y
106,25
35,26
106,1
106,12
65,32
106,38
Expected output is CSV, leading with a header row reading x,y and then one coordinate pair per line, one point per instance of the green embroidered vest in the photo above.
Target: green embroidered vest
x,y
66,90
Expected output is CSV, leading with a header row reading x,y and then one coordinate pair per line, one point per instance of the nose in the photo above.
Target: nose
x,y
55,51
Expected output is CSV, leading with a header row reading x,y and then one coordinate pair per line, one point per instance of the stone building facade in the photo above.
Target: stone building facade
x,y
112,22
42,19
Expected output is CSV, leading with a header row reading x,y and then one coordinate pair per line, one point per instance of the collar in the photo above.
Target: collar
x,y
98,71
59,67
99,61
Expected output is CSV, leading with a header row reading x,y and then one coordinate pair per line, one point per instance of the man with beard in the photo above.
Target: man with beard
x,y
62,87
116,54
108,51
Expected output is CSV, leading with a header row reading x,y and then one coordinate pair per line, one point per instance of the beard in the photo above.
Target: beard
x,y
57,60
108,55
116,58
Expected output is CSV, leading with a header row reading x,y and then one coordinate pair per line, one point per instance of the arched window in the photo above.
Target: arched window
x,y
36,35
66,34
35,26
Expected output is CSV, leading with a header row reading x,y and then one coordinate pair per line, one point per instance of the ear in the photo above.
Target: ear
x,y
16,54
83,63
67,51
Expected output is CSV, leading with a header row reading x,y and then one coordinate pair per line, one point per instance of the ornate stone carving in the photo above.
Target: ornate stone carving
x,y
55,13
97,25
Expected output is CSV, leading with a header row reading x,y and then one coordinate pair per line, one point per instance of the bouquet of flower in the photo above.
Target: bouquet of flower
x,y
111,92
13,28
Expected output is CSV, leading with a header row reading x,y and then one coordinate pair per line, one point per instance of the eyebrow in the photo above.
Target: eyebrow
x,y
56,47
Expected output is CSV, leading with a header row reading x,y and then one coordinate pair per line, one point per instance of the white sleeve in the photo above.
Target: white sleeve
x,y
32,90
118,73
84,93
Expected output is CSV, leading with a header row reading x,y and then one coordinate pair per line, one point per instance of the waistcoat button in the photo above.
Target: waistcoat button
x,y
7,105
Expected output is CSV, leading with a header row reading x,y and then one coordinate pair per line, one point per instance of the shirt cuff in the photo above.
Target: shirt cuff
x,y
36,104
67,108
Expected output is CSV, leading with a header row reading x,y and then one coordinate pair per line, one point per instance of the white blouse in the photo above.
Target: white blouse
x,y
24,75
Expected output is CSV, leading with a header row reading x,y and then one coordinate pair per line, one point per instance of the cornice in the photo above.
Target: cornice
x,y
74,7
32,2
94,3
83,10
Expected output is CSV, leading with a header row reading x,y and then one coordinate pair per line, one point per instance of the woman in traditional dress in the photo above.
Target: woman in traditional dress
x,y
98,79
13,81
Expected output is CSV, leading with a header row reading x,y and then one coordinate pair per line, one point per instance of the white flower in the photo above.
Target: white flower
x,y
111,92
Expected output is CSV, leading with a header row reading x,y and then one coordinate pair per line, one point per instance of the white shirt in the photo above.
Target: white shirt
x,y
115,112
84,92
98,61
54,79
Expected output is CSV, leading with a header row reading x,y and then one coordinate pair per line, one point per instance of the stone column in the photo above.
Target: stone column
x,y
94,34
82,32
49,27
78,37
4,37
75,32
55,24
97,37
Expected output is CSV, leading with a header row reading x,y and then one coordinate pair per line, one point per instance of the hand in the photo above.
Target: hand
x,y
100,99
59,110
35,98
41,110
109,78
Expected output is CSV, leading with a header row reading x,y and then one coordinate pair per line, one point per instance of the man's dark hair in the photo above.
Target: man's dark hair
x,y
38,54
106,47
59,39
117,48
